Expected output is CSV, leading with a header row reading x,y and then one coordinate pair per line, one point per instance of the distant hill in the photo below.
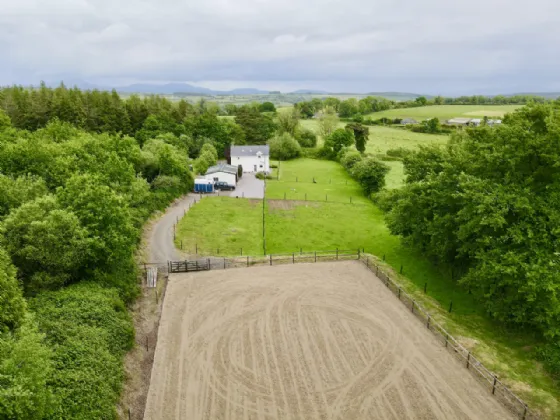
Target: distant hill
x,y
167,89
310,92
399,96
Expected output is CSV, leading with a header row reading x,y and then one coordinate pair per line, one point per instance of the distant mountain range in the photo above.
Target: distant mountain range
x,y
188,89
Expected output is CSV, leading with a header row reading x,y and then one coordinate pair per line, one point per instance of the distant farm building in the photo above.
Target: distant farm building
x,y
222,172
407,121
459,121
251,158
476,122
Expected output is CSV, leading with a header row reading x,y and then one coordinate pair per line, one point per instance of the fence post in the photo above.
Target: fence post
x,y
196,248
446,339
315,256
399,293
425,287
241,252
494,385
337,253
284,196
377,270
147,346
524,413
450,306
383,257
428,323
359,253
196,264
293,258
209,266
247,261
468,359
401,268
157,298
270,259
305,196
367,262
412,306
224,263
300,251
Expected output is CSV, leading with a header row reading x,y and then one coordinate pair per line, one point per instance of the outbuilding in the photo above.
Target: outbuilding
x,y
459,121
222,172
407,121
251,158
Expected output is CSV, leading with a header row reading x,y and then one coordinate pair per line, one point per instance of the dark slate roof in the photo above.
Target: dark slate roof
x,y
222,167
249,150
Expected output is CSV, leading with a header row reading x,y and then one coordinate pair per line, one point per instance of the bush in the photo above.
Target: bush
x,y
90,330
239,171
306,138
399,152
262,175
370,174
350,158
284,147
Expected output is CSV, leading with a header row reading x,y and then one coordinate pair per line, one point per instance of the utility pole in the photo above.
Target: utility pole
x,y
263,217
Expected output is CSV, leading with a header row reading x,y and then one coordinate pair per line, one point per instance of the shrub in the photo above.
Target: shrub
x,y
370,174
90,330
239,171
306,138
262,175
350,158
284,147
399,152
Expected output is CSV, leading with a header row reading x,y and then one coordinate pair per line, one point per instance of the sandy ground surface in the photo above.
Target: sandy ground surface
x,y
306,341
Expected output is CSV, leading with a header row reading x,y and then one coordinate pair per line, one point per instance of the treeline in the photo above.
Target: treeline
x,y
352,107
72,206
143,118
488,206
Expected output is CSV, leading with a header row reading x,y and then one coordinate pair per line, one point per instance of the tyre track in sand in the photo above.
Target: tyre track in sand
x,y
308,341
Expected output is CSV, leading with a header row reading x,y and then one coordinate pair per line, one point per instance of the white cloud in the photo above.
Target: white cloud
x,y
429,46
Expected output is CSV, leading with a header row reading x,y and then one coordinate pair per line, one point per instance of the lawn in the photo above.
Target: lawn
x,y
230,224
221,226
445,112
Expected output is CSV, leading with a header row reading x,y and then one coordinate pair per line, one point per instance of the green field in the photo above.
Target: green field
x,y
229,224
445,112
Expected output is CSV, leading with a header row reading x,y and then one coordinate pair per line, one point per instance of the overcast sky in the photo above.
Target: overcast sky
x,y
424,46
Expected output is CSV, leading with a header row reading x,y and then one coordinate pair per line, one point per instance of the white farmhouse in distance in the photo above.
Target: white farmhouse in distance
x,y
251,158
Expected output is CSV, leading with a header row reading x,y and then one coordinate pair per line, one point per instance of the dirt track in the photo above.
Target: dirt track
x,y
306,341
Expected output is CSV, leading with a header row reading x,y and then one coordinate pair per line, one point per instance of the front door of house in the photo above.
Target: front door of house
x,y
255,170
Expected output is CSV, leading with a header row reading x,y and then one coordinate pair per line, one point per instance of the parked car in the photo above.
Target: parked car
x,y
224,186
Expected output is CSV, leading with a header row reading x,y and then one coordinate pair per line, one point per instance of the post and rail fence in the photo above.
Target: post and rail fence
x,y
486,377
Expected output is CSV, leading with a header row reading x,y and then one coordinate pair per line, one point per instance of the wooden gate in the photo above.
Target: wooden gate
x,y
188,266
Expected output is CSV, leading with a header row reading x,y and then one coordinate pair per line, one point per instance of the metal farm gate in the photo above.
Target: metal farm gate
x,y
188,266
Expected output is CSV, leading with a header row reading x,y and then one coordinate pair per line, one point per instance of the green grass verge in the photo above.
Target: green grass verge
x,y
231,224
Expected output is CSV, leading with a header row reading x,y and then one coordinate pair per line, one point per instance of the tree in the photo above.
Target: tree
x,y
284,147
239,171
47,243
348,108
432,125
258,128
288,122
361,135
5,121
328,122
421,101
267,107
306,138
24,359
207,148
337,140
370,174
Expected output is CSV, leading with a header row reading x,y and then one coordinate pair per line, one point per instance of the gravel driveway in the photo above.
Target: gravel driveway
x,y
249,187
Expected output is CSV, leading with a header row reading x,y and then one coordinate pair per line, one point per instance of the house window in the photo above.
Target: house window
x,y
216,179
261,166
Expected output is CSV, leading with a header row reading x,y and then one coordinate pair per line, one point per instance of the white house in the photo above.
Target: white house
x,y
222,172
251,158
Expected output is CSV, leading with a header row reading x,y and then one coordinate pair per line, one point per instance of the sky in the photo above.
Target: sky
x,y
429,46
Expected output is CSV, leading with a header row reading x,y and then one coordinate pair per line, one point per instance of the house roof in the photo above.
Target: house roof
x,y
408,121
249,150
222,167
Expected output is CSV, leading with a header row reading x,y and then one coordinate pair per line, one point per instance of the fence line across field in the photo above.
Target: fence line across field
x,y
479,371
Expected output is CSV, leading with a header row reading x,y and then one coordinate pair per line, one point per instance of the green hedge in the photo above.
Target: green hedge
x,y
89,330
